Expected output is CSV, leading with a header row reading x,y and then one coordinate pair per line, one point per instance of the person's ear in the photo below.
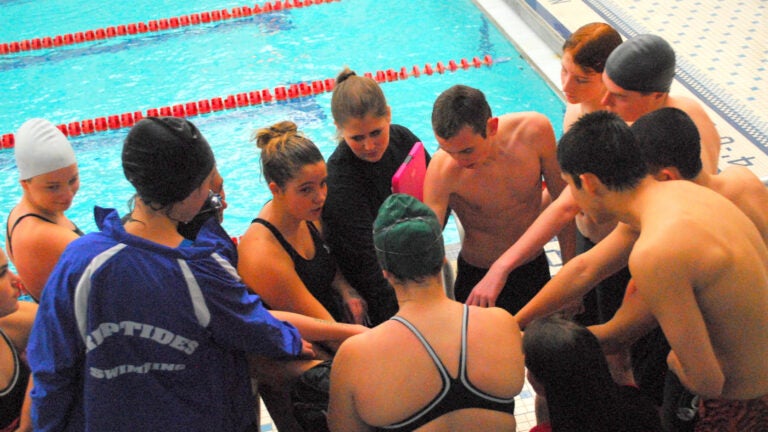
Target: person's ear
x,y
666,174
590,183
388,276
535,384
492,126
274,188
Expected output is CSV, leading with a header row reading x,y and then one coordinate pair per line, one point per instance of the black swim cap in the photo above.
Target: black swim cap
x,y
645,63
165,159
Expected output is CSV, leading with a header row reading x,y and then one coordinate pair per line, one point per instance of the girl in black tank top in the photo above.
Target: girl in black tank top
x,y
317,273
310,283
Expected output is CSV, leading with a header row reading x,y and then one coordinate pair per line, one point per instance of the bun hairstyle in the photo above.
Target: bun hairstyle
x,y
284,152
355,97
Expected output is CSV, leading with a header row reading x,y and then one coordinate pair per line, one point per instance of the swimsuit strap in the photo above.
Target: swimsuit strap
x,y
444,377
12,382
8,232
313,229
279,236
463,366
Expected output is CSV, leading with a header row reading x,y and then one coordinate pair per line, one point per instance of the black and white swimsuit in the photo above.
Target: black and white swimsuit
x,y
456,393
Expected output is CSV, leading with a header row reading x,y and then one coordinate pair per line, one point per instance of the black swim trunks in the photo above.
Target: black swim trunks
x,y
522,284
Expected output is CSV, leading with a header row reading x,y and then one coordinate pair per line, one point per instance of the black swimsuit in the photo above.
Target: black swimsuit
x,y
318,273
12,396
457,393
9,232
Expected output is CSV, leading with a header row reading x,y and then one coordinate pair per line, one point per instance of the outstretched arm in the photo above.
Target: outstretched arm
x,y
552,220
317,330
632,321
581,274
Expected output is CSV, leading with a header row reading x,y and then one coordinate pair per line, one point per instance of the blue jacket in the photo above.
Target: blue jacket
x,y
135,336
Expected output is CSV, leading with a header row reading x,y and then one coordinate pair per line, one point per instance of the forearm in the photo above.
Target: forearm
x,y
316,330
571,283
707,383
566,238
530,244
632,321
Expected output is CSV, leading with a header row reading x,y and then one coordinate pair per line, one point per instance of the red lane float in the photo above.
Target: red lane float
x,y
280,93
155,25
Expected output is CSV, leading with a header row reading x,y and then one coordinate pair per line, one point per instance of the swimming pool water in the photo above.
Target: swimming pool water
x,y
152,70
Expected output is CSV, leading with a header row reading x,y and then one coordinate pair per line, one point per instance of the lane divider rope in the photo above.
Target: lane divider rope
x,y
256,97
158,25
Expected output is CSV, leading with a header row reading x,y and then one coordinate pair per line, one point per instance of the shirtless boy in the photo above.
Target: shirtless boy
x,y
699,265
638,76
489,170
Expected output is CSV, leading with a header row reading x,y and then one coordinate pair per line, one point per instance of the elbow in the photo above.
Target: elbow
x,y
711,386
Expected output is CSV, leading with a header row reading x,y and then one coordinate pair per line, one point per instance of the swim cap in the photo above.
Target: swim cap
x,y
408,237
645,63
165,159
41,148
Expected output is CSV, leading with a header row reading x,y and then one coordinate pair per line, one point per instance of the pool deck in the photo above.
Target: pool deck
x,y
722,55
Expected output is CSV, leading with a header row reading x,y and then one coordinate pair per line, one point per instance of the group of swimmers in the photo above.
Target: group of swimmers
x,y
160,322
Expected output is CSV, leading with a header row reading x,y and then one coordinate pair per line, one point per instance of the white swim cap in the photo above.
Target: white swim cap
x,y
41,148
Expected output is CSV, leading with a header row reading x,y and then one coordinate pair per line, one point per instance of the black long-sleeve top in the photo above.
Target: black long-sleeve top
x,y
356,190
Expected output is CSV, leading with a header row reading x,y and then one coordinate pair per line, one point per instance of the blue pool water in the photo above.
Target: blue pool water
x,y
152,70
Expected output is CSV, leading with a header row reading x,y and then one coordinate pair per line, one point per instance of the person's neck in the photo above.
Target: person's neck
x,y
279,216
418,296
591,106
628,205
153,225
704,179
30,207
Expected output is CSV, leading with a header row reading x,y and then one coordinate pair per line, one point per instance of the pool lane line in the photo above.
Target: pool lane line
x,y
153,26
256,97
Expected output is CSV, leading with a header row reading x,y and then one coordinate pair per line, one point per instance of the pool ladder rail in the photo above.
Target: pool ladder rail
x,y
158,25
256,97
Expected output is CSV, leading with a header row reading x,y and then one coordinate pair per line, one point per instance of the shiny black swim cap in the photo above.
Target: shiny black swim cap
x,y
165,159
645,63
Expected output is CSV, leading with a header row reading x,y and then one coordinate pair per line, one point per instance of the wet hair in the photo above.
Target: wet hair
x,y
567,360
591,45
457,107
668,137
601,143
284,152
355,97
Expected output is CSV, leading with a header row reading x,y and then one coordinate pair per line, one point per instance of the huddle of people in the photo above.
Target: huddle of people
x,y
159,321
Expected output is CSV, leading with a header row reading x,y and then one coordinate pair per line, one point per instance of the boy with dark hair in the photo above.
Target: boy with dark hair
x,y
489,171
699,268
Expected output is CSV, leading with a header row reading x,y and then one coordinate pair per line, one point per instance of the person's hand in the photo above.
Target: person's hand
x,y
307,350
485,293
357,309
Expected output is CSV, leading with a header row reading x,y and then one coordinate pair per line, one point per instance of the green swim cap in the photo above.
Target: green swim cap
x,y
408,238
